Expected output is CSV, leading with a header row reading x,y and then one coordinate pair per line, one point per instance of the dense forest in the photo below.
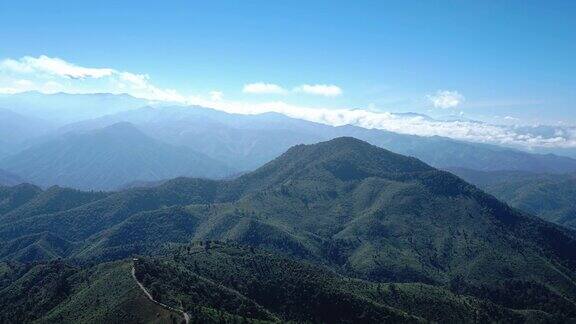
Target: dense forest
x,y
340,231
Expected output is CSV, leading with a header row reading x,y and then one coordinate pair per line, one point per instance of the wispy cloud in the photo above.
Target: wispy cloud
x,y
446,99
50,75
327,90
53,66
263,88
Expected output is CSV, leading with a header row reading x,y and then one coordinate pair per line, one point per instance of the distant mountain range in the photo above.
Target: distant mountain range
x,y
106,158
16,130
252,140
324,233
63,108
60,139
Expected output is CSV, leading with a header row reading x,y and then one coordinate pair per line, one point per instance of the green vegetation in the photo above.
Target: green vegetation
x,y
258,284
55,292
340,231
550,196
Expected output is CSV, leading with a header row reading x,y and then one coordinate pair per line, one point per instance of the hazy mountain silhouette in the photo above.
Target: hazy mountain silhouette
x,y
107,158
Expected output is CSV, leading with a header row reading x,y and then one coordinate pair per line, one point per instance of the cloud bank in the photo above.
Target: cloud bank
x,y
49,75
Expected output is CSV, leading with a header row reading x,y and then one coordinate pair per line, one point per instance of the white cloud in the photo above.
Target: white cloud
x,y
263,88
446,99
28,74
314,89
53,66
327,90
406,124
216,95
50,74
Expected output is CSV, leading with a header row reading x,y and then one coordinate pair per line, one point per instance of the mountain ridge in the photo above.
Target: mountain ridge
x,y
345,205
106,158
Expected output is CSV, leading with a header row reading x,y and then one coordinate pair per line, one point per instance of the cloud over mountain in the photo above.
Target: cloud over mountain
x,y
49,75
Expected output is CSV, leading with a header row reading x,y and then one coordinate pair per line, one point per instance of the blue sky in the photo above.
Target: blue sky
x,y
496,59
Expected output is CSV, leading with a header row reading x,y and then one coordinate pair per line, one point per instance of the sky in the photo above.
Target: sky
x,y
501,62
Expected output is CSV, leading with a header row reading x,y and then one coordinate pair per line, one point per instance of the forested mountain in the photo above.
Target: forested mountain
x,y
332,224
55,292
252,140
550,196
107,158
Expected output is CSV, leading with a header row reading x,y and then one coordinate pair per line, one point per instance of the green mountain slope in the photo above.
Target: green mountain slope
x,y
14,197
344,205
550,196
258,284
58,293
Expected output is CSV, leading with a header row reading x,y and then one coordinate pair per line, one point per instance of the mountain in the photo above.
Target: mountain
x,y
106,158
342,218
444,153
550,196
252,140
212,276
248,140
9,179
62,108
17,130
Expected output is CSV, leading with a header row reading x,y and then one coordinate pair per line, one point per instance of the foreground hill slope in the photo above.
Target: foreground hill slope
x,y
215,282
107,158
257,284
54,292
344,205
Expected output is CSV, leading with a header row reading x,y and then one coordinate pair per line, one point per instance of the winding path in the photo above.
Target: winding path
x,y
149,296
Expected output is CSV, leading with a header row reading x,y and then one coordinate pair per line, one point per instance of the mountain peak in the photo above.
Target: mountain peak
x,y
342,158
121,129
350,150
